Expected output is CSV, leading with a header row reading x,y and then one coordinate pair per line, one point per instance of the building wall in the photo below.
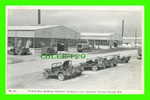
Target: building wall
x,y
102,41
47,37
53,36
20,37
22,41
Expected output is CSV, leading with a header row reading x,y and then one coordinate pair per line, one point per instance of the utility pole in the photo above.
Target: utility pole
x,y
135,42
122,28
122,31
39,16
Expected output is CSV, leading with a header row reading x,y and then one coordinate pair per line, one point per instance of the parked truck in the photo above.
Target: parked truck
x,y
83,47
63,70
123,58
139,53
93,64
19,51
48,50
110,61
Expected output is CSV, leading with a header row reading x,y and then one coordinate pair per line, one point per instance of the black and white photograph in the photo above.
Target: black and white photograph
x,y
75,49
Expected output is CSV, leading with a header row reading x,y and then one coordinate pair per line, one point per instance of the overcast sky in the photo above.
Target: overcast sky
x,y
81,20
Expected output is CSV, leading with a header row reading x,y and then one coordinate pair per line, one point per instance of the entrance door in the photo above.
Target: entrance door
x,y
62,45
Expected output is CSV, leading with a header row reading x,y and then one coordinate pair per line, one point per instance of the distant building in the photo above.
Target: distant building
x,y
133,41
101,40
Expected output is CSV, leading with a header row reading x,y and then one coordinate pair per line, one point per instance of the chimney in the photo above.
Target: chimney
x,y
39,16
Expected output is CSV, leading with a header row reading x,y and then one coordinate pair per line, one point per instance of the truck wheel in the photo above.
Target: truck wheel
x,y
115,64
61,76
45,74
94,68
127,61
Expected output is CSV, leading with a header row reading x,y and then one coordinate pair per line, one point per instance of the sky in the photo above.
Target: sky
x,y
81,20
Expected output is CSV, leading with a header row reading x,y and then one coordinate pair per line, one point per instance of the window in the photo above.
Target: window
x,y
41,42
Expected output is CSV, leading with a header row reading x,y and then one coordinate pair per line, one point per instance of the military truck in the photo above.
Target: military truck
x,y
139,53
13,51
123,59
110,61
48,50
63,70
83,47
93,64
19,51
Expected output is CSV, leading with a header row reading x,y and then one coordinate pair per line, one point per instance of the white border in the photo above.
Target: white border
x,y
101,8
62,91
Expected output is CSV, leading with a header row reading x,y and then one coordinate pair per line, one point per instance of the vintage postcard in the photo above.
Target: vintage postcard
x,y
75,49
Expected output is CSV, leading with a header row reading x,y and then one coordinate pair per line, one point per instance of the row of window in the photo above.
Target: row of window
x,y
99,42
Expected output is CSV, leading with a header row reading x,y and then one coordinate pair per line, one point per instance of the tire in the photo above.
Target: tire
x,y
127,61
46,75
94,68
61,76
115,65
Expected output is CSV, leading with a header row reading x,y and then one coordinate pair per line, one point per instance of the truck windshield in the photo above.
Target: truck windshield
x,y
56,64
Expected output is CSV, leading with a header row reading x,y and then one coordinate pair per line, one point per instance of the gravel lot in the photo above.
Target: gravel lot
x,y
27,75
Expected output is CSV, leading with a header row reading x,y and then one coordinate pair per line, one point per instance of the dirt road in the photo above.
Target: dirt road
x,y
124,76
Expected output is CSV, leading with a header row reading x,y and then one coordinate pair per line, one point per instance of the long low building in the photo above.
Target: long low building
x,y
37,37
101,40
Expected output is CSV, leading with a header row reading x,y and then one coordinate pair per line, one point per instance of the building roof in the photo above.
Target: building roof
x,y
131,38
48,31
99,36
96,34
30,27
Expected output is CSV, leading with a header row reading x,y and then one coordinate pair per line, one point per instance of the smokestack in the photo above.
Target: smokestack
x,y
39,16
